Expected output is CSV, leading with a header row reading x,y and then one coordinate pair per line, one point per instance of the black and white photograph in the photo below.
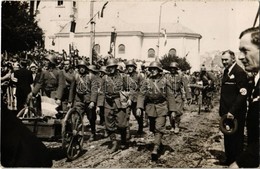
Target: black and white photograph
x,y
130,84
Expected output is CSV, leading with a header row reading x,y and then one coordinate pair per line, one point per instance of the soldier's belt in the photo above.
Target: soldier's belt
x,y
50,89
156,101
112,96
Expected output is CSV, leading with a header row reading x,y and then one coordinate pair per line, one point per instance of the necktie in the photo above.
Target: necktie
x,y
225,75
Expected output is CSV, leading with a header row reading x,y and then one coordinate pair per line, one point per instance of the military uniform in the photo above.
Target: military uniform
x,y
84,90
181,92
134,80
157,99
51,82
114,109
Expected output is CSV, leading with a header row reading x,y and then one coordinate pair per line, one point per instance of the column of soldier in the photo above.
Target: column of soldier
x,y
109,91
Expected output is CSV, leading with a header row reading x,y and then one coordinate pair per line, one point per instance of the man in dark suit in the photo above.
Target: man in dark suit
x,y
233,104
24,81
249,47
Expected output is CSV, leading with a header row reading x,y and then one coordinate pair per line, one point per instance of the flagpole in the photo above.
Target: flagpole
x,y
114,42
91,32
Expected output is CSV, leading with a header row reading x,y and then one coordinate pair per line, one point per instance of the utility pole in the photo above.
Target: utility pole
x,y
159,31
91,31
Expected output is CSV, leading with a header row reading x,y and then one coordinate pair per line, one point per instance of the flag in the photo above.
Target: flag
x,y
165,37
73,26
112,42
102,10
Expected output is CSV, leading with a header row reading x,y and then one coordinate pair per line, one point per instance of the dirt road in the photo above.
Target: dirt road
x,y
199,144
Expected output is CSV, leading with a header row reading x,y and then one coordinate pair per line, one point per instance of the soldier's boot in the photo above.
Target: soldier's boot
x,y
114,143
92,137
154,154
93,130
173,126
123,133
140,131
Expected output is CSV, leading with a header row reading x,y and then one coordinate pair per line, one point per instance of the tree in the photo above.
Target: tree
x,y
19,29
168,59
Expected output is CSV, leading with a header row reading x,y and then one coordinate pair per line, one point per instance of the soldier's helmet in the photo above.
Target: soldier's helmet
x,y
120,68
174,65
92,68
112,62
51,58
82,63
103,69
131,63
156,64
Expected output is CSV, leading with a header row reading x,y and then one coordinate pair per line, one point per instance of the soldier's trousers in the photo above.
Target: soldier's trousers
x,y
139,119
179,106
157,126
91,114
115,118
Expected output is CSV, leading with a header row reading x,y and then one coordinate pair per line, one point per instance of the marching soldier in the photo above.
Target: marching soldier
x,y
51,81
102,72
114,105
84,93
156,93
134,80
181,92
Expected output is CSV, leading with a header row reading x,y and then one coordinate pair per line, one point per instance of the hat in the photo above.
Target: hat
x,y
228,126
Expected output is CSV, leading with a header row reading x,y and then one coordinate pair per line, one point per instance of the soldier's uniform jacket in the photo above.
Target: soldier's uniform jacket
x,y
234,92
69,77
133,85
111,88
179,85
156,97
84,88
51,82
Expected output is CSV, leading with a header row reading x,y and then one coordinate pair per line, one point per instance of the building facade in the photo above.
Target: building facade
x,y
133,41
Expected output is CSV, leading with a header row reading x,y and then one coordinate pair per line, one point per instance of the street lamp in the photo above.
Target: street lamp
x,y
159,29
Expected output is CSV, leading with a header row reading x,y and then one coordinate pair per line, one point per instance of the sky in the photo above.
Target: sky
x,y
219,22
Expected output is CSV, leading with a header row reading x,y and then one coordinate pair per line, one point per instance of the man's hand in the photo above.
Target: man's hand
x,y
230,116
58,102
129,102
97,110
189,101
91,105
138,112
69,105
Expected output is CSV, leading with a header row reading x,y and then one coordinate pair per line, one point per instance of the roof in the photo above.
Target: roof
x,y
102,25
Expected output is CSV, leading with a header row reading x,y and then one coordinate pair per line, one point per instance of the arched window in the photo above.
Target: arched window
x,y
97,48
151,53
121,49
172,52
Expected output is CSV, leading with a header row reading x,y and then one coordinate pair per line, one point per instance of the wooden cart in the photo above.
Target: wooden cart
x,y
68,127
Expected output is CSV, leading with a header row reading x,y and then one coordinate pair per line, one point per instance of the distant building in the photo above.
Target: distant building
x,y
133,41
